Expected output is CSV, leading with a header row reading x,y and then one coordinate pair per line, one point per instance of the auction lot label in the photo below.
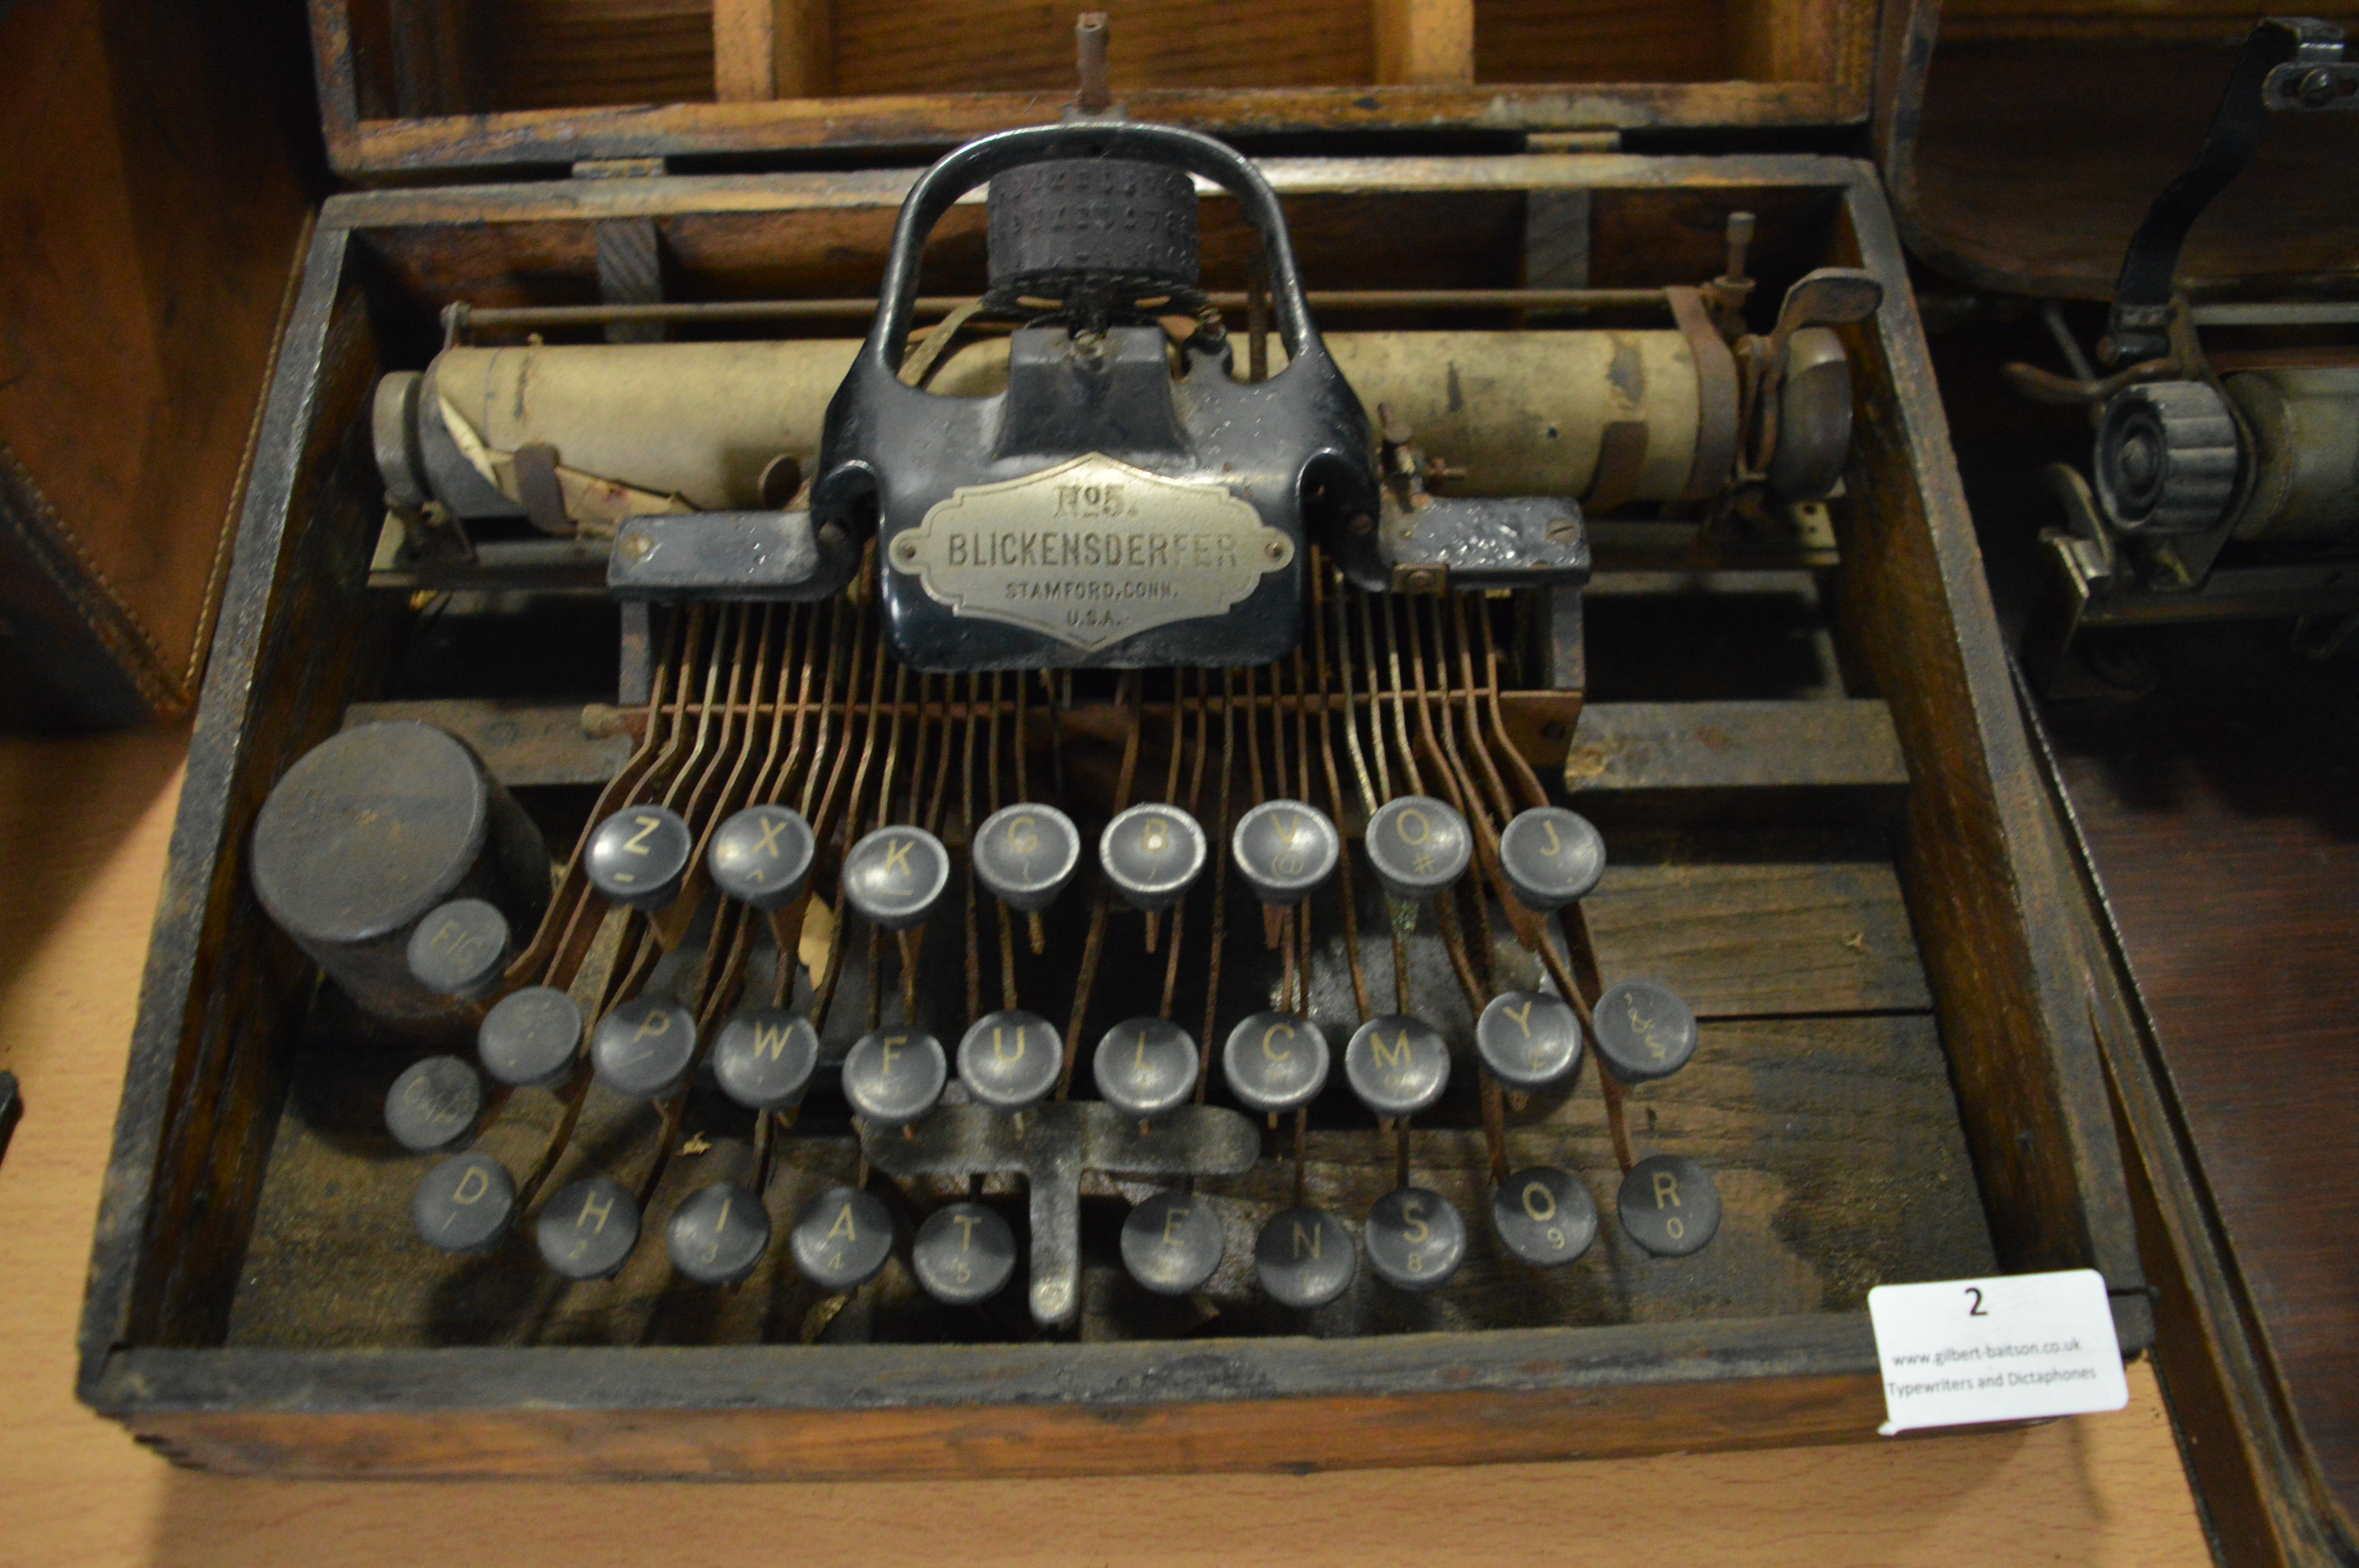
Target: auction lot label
x,y
2016,1348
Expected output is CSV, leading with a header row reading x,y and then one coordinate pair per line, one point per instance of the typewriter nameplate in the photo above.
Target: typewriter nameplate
x,y
1092,551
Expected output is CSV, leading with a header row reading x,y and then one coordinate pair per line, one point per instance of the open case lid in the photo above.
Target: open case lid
x,y
2023,140
411,87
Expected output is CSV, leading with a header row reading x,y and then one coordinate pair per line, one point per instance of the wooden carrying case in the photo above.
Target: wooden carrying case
x,y
1962,1128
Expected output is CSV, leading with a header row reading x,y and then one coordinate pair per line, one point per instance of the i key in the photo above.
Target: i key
x,y
718,1234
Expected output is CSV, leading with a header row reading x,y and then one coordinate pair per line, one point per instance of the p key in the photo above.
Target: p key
x,y
643,1049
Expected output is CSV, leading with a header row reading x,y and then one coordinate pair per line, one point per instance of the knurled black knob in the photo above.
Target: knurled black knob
x,y
1529,1040
1670,1206
588,1230
1287,850
1544,1215
1146,1066
1009,1061
1172,1243
1415,1239
460,948
843,1239
531,1038
1419,846
1151,854
762,856
433,1104
896,876
965,1254
639,856
465,1203
718,1234
1551,856
1274,1061
644,1048
1304,1258
1397,1065
1026,854
1644,1031
763,1059
895,1076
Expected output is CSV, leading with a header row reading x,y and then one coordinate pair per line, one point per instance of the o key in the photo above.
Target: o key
x,y
1668,1206
965,1254
1416,1239
843,1239
762,856
896,875
718,1234
588,1230
1551,856
1009,1061
1545,1215
1304,1258
639,856
1172,1242
1419,846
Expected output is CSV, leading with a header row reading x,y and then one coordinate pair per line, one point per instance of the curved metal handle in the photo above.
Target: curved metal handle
x,y
960,171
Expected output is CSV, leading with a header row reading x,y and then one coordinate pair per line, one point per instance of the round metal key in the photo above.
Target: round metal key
x,y
465,1203
1172,1242
1287,850
764,1058
896,876
1644,1031
460,948
1398,1065
1415,1239
588,1230
895,1076
718,1234
1274,1061
1529,1040
1545,1215
1146,1066
1419,845
965,1254
1551,856
1026,854
1009,1061
531,1038
644,1048
639,856
1151,854
1304,1258
843,1239
433,1104
1670,1206
762,856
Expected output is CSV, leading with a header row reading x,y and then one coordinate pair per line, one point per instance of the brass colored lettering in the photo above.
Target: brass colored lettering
x,y
593,1203
1523,1019
1311,1238
771,827
472,1186
1395,1055
998,1046
1424,826
897,858
1666,1186
885,1053
1416,1229
770,1040
1172,1217
656,1023
842,1227
637,844
1537,1190
1273,1031
966,1224
1556,845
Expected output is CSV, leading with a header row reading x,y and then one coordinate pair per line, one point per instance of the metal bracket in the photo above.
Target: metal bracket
x,y
1473,543
729,555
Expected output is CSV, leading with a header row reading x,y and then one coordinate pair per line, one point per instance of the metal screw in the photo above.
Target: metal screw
x,y
1364,524
905,550
1420,582
1277,550
635,546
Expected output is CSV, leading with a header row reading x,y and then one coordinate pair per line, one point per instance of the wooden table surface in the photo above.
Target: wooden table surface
x,y
84,826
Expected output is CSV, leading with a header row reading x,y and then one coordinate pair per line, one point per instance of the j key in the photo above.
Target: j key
x,y
1026,854
531,1038
895,1076
1010,1061
1415,1239
762,856
639,856
465,1203
1551,856
1146,1066
1276,1061
460,949
1304,1258
1172,1242
965,1254
1529,1040
1670,1206
1419,846
896,876
433,1104
1151,854
1287,850
1545,1215
763,1059
644,1048
843,1239
1398,1066
718,1234
1644,1031
588,1230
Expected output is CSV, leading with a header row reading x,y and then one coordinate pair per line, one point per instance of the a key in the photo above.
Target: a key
x,y
531,1038
1415,1239
1551,856
1276,1061
458,949
1146,1066
1287,850
1419,846
1304,1258
896,876
1529,1040
1670,1206
639,856
1172,1243
1644,1031
763,1059
964,1255
1009,1061
895,1076
1544,1215
1397,1065
843,1239
1151,854
465,1203
762,856
718,1234
1026,854
643,1049
588,1230
433,1104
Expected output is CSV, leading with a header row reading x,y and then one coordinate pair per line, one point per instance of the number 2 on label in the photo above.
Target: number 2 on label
x,y
1976,1310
